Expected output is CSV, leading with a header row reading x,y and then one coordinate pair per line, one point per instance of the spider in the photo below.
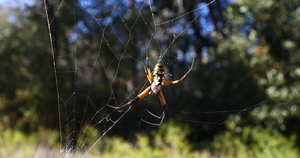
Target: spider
x,y
157,80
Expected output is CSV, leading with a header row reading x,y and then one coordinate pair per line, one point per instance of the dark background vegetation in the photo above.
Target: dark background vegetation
x,y
247,63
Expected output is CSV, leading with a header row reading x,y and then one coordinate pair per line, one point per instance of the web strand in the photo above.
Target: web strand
x,y
105,65
54,67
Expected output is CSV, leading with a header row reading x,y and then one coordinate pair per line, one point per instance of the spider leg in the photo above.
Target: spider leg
x,y
171,82
148,71
134,100
177,81
162,116
149,76
162,100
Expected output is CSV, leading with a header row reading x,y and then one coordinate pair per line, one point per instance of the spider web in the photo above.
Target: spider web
x,y
95,74
98,64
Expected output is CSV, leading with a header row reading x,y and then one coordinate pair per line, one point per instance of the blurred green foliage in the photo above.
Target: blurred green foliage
x,y
248,62
254,142
16,144
168,141
246,141
26,93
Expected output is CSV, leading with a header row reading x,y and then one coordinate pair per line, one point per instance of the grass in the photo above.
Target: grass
x,y
168,141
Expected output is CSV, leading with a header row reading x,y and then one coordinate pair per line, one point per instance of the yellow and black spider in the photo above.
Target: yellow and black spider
x,y
157,79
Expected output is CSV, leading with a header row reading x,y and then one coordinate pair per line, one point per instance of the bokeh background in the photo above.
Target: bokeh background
x,y
240,100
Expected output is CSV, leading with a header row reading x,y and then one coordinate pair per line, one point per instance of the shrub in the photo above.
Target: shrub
x,y
257,142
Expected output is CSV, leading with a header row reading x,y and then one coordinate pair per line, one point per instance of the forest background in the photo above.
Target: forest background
x,y
247,64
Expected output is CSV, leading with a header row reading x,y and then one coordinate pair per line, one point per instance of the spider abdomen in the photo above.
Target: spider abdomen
x,y
159,74
158,77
